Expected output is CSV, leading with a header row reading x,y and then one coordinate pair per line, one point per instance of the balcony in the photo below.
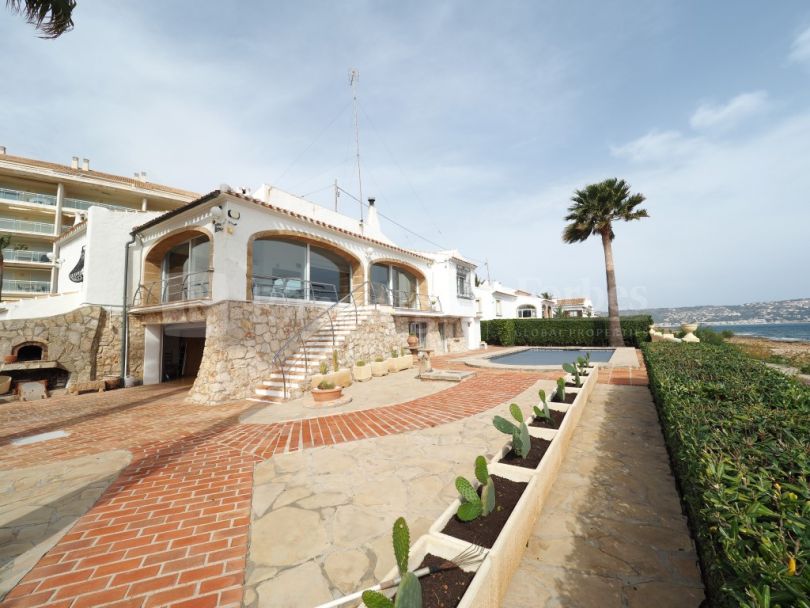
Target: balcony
x,y
24,255
50,200
404,300
286,288
9,225
19,286
177,288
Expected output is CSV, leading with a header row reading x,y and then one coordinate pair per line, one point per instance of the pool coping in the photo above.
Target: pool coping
x,y
623,356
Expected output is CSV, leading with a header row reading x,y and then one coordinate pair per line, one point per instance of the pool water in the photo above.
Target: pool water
x,y
551,356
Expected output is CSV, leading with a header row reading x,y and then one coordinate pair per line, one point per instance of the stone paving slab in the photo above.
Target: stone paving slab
x,y
321,519
39,504
611,533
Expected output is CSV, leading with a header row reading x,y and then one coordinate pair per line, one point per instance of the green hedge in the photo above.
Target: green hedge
x,y
738,434
564,331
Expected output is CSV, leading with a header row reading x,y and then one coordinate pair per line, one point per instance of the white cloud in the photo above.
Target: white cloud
x,y
800,50
709,116
657,146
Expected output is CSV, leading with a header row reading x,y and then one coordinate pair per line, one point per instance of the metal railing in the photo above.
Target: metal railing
x,y
25,255
15,285
291,288
465,291
408,300
25,226
298,339
50,200
177,288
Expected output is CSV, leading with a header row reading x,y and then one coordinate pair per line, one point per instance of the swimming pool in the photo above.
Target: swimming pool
x,y
551,356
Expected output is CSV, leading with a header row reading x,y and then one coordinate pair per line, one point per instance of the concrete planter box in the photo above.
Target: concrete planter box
x,y
505,554
342,377
405,362
362,373
379,368
478,592
393,364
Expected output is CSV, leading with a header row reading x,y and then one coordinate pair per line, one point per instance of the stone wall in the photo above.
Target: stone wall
x,y
108,357
240,340
375,337
72,339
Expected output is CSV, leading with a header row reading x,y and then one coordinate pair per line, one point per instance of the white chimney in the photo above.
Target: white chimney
x,y
372,223
85,164
74,162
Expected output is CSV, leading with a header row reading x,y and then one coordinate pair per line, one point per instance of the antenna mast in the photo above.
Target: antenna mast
x,y
354,76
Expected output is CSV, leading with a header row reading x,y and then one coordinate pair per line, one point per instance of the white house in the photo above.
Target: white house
x,y
249,292
574,307
496,301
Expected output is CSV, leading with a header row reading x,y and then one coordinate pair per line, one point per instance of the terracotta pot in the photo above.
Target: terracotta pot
x,y
322,395
412,341
10,359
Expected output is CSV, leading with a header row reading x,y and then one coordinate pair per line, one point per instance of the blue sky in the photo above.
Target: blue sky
x,y
477,122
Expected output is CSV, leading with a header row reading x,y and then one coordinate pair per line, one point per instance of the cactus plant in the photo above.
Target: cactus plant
x,y
582,364
545,413
409,592
325,385
360,363
378,359
559,395
394,353
335,362
521,442
323,368
474,506
572,369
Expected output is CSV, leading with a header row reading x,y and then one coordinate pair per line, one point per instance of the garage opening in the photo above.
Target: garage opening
x,y
183,346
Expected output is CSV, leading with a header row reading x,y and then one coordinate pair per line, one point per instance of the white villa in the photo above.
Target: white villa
x,y
575,307
245,294
496,301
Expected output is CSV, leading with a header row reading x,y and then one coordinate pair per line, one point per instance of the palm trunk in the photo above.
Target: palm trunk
x,y
615,335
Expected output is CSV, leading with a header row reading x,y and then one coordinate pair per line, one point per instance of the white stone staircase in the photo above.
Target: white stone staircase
x,y
306,360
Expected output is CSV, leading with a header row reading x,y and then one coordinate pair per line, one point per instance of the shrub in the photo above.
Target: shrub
x,y
323,368
738,435
325,385
360,363
563,331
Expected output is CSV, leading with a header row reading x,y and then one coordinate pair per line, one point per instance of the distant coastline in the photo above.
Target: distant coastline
x,y
779,331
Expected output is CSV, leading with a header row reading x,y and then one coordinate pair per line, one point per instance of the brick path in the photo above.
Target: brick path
x,y
172,530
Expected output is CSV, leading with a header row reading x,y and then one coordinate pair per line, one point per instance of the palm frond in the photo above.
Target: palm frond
x,y
52,17
595,207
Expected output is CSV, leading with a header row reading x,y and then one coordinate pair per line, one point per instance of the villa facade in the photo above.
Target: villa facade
x,y
496,301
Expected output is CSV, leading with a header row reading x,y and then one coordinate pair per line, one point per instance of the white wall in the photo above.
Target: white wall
x,y
46,306
69,252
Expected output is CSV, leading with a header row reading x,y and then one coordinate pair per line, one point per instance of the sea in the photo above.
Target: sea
x,y
791,332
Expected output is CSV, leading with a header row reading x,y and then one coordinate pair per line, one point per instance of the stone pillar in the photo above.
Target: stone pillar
x,y
143,204
152,353
57,230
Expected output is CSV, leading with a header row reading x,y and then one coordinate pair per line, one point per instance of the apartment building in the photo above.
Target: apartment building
x,y
39,201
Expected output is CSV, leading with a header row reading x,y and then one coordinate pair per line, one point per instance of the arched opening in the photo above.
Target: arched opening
x,y
526,311
396,285
295,268
177,268
30,351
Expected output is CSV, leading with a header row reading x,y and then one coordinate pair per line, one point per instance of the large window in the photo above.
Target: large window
x,y
287,268
185,270
526,311
393,286
463,288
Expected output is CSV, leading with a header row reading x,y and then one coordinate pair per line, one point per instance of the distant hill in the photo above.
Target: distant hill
x,y
784,311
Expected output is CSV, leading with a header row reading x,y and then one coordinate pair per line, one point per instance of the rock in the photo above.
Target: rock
x,y
346,569
263,497
303,585
287,536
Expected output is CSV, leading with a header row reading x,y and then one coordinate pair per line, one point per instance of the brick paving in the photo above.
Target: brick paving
x,y
172,530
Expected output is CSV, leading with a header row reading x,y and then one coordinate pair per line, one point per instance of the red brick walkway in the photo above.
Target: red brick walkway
x,y
172,529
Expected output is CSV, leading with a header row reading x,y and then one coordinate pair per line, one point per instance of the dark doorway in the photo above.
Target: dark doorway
x,y
30,352
183,346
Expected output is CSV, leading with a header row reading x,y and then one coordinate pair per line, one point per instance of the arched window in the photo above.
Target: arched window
x,y
393,286
291,268
185,274
526,311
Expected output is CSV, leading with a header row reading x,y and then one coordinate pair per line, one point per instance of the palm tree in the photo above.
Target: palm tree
x,y
595,209
52,17
5,239
546,295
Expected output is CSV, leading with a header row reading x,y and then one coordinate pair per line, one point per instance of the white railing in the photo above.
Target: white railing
x,y
25,255
177,288
50,200
25,226
408,300
15,285
290,288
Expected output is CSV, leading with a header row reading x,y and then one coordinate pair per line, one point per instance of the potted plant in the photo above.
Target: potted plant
x,y
413,341
316,379
379,367
341,376
393,362
361,371
327,391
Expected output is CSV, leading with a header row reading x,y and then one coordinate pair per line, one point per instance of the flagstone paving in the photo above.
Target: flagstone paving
x,y
611,533
173,528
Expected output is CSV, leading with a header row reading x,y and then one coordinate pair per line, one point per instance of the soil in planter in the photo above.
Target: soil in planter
x,y
569,398
536,453
556,420
446,588
572,385
484,530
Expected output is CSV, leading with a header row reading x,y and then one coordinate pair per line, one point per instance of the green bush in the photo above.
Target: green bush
x,y
563,331
738,434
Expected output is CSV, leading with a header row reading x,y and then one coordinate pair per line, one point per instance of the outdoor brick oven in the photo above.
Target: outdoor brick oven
x,y
30,351
33,365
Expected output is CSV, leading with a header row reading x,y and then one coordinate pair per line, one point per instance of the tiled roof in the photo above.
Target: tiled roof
x,y
570,301
213,194
119,179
